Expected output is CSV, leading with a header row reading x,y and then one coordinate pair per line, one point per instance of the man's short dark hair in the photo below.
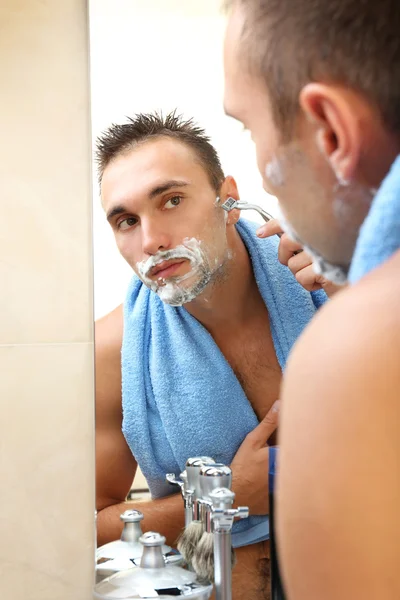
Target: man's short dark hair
x,y
118,139
355,43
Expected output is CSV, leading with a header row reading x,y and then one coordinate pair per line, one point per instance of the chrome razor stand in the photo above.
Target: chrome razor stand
x,y
221,520
187,494
210,478
189,486
205,488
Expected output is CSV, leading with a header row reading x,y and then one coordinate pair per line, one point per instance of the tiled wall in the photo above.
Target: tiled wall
x,y
46,321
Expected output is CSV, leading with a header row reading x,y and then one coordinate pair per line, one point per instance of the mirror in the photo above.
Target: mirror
x,y
161,55
165,55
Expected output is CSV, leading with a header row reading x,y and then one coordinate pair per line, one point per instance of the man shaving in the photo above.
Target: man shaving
x,y
317,85
208,299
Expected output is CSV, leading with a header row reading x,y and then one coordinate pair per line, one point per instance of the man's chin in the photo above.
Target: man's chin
x,y
336,274
180,291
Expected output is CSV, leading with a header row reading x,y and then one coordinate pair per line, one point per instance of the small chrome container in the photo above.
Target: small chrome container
x,y
153,578
126,553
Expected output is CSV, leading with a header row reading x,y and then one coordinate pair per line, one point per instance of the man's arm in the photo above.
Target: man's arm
x,y
115,465
339,476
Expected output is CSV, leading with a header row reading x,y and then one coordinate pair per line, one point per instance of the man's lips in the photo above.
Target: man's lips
x,y
165,269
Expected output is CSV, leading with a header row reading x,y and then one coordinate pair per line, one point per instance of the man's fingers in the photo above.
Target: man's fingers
x,y
266,428
271,228
286,249
308,279
299,261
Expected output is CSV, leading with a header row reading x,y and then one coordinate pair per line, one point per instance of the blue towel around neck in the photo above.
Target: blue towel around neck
x,y
180,396
379,236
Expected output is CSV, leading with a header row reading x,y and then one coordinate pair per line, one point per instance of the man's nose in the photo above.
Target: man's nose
x,y
154,237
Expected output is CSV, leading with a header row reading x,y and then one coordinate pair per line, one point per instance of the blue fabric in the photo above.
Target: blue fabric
x,y
272,459
379,236
180,396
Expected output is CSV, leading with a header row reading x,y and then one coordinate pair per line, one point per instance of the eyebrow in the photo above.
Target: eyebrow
x,y
164,187
117,210
153,193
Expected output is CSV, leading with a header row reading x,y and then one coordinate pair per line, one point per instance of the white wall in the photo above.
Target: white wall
x,y
161,54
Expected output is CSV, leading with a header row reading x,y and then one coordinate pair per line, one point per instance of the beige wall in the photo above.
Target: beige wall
x,y
46,332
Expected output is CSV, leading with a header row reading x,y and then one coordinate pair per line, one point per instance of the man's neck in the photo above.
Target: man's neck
x,y
228,302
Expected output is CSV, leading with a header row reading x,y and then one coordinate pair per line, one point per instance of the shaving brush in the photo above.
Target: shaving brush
x,y
194,529
212,478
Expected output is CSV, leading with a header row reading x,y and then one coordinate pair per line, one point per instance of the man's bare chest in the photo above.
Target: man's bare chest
x,y
251,354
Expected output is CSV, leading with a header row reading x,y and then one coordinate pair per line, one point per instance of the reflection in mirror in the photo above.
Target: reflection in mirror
x,y
193,363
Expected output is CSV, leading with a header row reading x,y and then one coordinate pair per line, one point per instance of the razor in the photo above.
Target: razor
x,y
231,203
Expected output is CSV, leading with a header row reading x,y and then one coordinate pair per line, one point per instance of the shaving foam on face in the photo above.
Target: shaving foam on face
x,y
349,201
218,203
334,273
174,290
274,172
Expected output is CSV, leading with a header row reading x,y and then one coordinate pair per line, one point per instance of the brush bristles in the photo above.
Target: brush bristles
x,y
189,540
203,558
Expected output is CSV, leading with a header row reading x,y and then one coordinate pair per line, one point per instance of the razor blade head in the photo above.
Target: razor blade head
x,y
229,204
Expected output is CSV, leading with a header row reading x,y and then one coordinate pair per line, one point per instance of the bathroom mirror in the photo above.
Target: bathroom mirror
x,y
149,55
160,55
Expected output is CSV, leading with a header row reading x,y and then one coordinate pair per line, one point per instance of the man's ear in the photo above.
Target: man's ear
x,y
233,216
334,113
229,189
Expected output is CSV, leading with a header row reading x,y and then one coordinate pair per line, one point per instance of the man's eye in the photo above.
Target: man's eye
x,y
126,223
173,202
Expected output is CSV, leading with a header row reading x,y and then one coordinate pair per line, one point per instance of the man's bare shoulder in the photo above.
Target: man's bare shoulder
x,y
361,323
108,342
109,329
350,350
339,437
108,337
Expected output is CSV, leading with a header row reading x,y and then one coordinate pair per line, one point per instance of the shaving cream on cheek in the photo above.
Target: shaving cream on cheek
x,y
274,172
173,290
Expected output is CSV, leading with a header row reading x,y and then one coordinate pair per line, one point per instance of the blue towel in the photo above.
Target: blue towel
x,y
379,236
180,396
